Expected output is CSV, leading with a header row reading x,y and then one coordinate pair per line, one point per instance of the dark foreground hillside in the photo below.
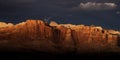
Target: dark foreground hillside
x,y
48,56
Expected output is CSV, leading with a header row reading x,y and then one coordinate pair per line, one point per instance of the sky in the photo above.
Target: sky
x,y
105,13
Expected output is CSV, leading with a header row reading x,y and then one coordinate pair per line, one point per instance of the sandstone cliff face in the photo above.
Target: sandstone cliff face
x,y
35,35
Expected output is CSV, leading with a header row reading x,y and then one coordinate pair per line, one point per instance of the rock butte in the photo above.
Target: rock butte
x,y
36,35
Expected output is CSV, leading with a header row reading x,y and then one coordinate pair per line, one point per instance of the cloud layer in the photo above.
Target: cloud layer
x,y
95,6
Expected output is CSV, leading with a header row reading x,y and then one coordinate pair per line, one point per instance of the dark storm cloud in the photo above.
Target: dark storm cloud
x,y
43,7
47,4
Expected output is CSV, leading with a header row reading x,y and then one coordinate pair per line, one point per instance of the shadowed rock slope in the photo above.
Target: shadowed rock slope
x,y
36,35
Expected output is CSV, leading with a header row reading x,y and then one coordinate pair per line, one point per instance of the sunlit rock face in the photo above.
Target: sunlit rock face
x,y
3,24
35,35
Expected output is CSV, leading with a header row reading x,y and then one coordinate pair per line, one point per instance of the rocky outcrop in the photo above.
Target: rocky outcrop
x,y
35,35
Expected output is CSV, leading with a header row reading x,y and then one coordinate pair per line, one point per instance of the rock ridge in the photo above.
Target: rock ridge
x,y
36,35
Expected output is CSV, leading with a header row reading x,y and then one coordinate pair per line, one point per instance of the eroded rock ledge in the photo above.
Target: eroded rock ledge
x,y
36,35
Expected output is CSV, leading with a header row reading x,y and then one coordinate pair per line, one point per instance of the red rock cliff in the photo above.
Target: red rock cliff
x,y
35,35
